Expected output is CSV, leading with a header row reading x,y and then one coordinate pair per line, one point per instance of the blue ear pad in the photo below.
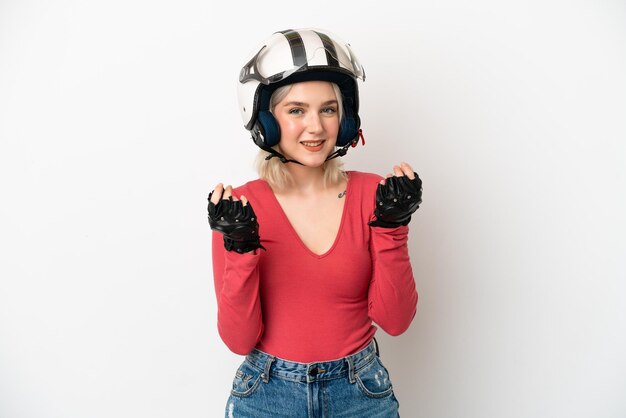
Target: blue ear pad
x,y
349,128
269,127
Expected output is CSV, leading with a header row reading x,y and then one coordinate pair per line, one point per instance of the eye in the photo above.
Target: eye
x,y
329,110
295,111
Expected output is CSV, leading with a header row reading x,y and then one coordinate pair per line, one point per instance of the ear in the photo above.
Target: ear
x,y
269,127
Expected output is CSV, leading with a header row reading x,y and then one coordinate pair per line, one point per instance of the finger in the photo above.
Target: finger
x,y
244,201
231,196
397,171
217,193
228,192
407,170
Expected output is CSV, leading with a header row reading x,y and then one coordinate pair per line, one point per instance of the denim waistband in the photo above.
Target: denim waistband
x,y
316,371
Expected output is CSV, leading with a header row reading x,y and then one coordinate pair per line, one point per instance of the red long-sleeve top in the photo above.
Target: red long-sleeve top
x,y
304,307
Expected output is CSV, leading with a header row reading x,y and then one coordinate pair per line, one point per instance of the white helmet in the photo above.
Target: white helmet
x,y
292,56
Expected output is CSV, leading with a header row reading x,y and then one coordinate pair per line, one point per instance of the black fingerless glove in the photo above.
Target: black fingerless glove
x,y
396,200
238,224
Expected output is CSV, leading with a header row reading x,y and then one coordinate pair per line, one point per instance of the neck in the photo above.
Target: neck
x,y
305,179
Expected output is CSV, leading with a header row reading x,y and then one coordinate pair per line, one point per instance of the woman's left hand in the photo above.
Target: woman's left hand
x,y
397,197
404,169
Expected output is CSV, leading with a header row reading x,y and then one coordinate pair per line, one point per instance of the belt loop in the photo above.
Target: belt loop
x,y
376,343
266,373
350,361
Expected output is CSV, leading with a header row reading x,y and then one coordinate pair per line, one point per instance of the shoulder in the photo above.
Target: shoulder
x,y
362,186
363,179
253,187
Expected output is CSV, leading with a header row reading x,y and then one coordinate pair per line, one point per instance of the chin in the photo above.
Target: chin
x,y
316,160
312,162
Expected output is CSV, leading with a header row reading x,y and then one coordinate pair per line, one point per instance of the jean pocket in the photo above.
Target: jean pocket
x,y
373,379
247,380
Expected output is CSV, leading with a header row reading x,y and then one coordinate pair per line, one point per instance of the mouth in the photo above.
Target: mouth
x,y
313,145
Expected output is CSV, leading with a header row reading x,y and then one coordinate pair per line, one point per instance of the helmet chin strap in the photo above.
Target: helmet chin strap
x,y
281,157
257,138
339,152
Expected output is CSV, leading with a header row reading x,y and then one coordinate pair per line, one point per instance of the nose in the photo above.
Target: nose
x,y
314,123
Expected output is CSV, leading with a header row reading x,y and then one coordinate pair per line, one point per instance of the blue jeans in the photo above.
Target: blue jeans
x,y
352,387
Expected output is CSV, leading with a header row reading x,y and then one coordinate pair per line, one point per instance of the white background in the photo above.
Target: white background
x,y
117,117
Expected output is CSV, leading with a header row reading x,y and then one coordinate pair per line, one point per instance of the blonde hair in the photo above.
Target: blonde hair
x,y
274,171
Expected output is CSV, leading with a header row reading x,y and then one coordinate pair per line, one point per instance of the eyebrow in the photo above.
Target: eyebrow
x,y
302,104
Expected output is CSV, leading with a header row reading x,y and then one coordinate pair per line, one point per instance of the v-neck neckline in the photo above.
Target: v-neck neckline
x,y
344,215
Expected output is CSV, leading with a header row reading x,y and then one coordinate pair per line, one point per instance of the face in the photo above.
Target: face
x,y
309,122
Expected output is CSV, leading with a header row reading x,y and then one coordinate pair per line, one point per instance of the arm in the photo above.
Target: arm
x,y
392,295
235,249
236,278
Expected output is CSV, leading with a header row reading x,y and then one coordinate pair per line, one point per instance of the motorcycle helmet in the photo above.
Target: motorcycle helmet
x,y
291,56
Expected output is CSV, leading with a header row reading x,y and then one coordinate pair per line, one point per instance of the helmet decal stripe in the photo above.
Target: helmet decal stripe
x,y
329,47
297,47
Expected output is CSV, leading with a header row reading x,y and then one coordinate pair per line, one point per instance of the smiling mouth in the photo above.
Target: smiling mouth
x,y
312,144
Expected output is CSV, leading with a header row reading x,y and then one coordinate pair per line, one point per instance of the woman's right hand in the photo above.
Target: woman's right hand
x,y
235,219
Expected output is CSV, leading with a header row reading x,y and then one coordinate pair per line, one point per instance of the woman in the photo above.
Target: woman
x,y
307,256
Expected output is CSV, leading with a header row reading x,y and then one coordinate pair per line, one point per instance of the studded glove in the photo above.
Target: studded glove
x,y
238,224
396,200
